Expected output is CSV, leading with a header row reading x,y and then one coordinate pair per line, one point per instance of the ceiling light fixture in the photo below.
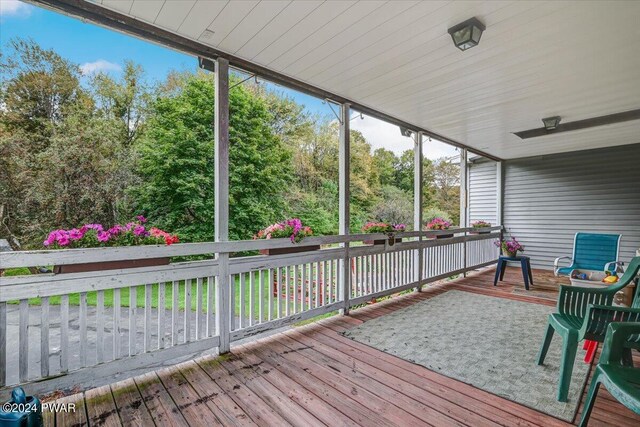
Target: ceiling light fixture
x,y
551,123
555,127
467,34
405,132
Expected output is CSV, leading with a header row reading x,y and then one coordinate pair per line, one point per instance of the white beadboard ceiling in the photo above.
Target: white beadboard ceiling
x,y
536,59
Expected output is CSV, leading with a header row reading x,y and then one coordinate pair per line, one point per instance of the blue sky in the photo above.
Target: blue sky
x,y
98,49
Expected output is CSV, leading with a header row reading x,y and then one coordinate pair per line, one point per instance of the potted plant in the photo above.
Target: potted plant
x,y
480,224
291,229
439,223
383,227
95,236
510,247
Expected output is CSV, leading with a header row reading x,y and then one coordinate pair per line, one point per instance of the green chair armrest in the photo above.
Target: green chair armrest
x,y
613,266
556,263
599,317
618,334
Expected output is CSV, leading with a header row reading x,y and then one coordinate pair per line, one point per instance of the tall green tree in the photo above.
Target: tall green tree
x,y
176,161
124,100
63,161
446,176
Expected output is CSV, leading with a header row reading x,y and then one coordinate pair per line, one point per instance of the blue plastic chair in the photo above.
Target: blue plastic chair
x,y
591,251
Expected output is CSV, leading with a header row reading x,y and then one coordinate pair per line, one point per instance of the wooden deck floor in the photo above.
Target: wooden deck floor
x,y
311,375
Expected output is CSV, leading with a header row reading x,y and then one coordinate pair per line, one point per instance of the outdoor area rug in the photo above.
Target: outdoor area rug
x,y
488,342
538,293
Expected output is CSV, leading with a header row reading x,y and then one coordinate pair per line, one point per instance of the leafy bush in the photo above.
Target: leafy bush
x,y
433,213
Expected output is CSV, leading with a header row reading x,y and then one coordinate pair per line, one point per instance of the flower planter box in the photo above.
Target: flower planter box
x,y
110,265
444,236
292,250
392,241
479,232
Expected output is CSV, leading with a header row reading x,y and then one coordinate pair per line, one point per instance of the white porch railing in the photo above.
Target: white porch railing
x,y
60,330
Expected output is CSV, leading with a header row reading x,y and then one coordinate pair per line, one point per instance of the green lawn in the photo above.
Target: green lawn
x,y
74,299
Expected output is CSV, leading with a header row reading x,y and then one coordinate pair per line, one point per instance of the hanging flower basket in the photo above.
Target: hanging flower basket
x,y
444,236
480,224
110,265
390,241
293,250
290,228
440,224
383,227
95,236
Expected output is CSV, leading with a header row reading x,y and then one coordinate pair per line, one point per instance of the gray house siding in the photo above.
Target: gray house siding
x,y
482,203
548,199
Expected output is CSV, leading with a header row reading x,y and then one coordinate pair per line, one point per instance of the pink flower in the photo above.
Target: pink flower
x,y
75,234
116,229
141,218
50,239
63,240
438,224
103,236
139,230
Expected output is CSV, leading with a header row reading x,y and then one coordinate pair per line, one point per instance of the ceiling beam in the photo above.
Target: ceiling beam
x,y
581,124
102,16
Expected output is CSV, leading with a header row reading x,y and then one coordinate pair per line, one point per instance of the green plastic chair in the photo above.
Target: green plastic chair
x,y
615,371
585,313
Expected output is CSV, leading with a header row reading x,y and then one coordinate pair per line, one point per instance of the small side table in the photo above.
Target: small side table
x,y
525,264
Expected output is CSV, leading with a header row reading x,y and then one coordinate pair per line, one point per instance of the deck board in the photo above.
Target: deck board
x,y
312,375
259,411
129,403
70,417
101,408
160,406
195,411
227,411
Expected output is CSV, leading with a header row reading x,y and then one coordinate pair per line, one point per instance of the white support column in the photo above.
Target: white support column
x,y
464,201
499,193
418,182
464,186
221,131
344,181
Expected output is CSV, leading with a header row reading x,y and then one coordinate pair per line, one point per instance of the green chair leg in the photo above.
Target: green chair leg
x,y
590,400
545,344
627,357
569,350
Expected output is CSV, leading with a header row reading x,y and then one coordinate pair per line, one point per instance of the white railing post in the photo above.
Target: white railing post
x,y
221,131
3,343
417,205
464,201
344,214
464,186
499,192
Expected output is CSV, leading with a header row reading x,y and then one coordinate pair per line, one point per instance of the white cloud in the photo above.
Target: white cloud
x,y
14,8
381,134
99,65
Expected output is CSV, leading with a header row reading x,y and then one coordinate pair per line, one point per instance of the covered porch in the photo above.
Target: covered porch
x,y
169,343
